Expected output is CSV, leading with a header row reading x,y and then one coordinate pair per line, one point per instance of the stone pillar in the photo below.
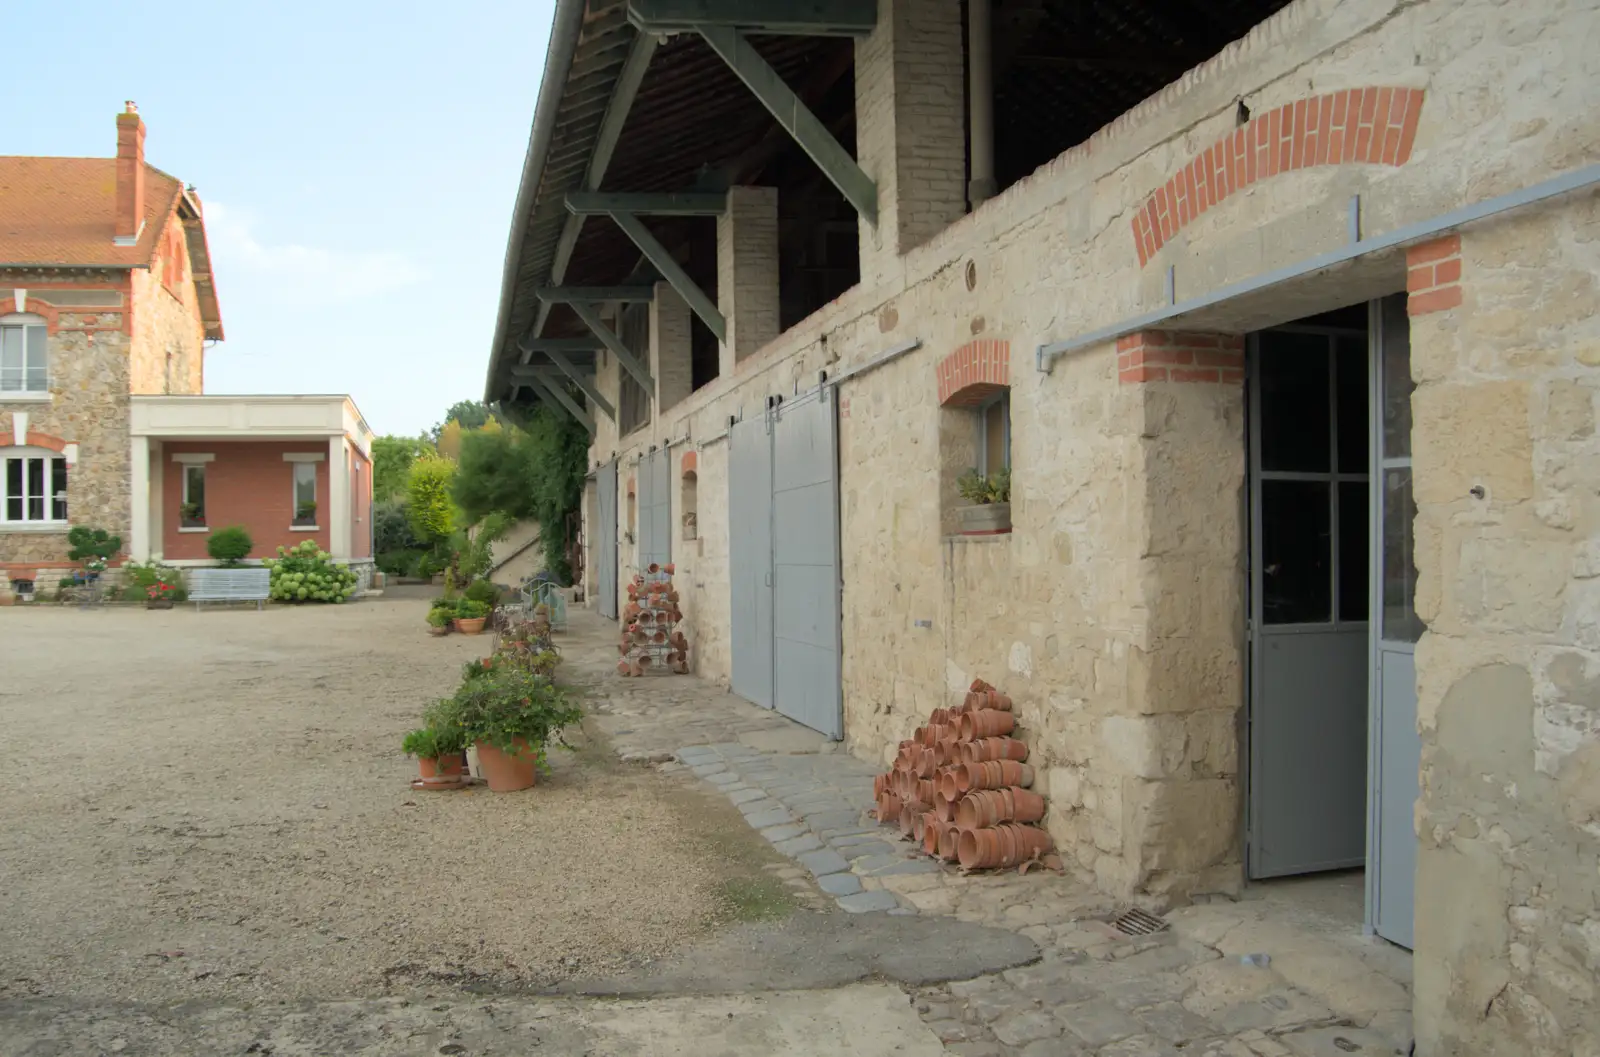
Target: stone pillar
x,y
1171,741
671,358
747,272
339,497
140,500
910,127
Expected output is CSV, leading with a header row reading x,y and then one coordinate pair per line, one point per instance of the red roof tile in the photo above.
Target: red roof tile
x,y
61,212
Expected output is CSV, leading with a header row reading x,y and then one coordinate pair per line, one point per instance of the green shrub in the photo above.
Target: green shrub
x,y
305,573
230,545
428,503
467,609
482,591
93,547
399,563
440,618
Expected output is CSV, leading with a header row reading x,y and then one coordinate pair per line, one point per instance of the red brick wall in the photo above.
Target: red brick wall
x,y
247,484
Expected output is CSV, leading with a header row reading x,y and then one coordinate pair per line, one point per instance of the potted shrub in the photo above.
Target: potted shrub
x,y
512,716
990,498
439,620
439,747
191,515
471,616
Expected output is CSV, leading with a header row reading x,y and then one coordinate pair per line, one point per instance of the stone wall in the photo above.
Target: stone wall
x,y
1509,668
88,407
1113,613
168,348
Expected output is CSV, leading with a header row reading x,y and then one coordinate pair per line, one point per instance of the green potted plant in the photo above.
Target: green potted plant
x,y
191,515
305,514
439,746
512,716
989,496
439,620
471,615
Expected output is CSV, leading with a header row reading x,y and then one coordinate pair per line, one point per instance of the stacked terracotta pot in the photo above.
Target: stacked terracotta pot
x,y
651,642
961,787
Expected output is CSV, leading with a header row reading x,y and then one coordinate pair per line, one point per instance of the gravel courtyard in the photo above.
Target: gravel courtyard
x,y
214,806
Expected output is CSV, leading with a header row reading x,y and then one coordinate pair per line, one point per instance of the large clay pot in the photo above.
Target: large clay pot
x,y
440,767
507,773
471,625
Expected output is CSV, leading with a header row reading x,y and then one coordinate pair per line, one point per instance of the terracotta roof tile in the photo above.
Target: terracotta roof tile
x,y
60,212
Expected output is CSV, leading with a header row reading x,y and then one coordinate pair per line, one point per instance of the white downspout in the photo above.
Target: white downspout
x,y
980,101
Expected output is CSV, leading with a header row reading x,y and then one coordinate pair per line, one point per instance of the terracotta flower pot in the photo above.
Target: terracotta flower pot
x,y
440,767
669,568
471,625
910,811
986,723
948,841
989,807
438,631
624,668
880,785
889,808
950,784
919,826
994,749
992,774
508,772
945,808
995,699
654,568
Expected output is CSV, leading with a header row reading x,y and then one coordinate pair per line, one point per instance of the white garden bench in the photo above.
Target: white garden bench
x,y
229,585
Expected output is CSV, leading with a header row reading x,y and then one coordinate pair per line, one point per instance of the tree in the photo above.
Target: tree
x,y
534,474
391,463
469,413
428,504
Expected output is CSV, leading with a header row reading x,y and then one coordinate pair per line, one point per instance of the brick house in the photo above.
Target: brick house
x,y
107,306
1281,314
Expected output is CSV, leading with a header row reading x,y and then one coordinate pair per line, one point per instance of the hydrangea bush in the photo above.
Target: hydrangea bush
x,y
306,573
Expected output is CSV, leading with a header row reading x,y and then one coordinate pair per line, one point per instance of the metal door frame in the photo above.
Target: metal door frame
x,y
1376,643
761,429
1254,624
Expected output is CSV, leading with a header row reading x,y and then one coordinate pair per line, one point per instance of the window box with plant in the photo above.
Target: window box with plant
x,y
512,716
989,499
305,497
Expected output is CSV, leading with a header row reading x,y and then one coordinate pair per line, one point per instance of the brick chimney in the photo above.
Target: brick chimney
x,y
130,176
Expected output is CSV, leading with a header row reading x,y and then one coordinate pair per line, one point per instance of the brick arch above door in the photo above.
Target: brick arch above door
x,y
1373,125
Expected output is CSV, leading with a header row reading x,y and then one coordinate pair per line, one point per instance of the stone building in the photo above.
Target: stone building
x,y
1281,318
107,305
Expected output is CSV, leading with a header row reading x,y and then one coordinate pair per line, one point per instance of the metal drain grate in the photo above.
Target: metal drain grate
x,y
1137,922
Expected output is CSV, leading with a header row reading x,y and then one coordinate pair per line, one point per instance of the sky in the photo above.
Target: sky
x,y
358,162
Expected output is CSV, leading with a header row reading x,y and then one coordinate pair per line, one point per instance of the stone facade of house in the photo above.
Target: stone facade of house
x,y
1114,612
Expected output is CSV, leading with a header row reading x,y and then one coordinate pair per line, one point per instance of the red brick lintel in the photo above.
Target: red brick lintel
x,y
1180,356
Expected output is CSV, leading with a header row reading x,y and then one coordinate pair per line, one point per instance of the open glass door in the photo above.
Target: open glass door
x,y
1395,750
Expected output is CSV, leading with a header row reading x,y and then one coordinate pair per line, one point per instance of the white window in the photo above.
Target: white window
x,y
33,487
994,435
24,356
305,495
192,514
